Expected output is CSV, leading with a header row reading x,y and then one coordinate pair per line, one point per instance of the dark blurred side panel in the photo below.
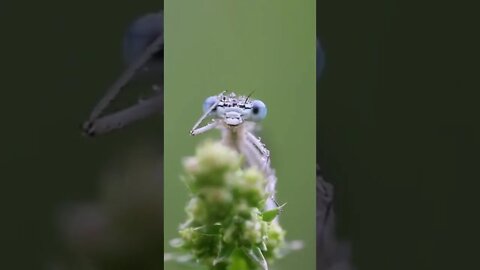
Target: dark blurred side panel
x,y
75,202
397,134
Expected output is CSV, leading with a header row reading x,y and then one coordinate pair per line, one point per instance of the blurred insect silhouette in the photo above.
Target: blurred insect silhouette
x,y
143,55
236,117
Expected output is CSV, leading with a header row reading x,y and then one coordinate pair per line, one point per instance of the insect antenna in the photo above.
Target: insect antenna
x,y
249,95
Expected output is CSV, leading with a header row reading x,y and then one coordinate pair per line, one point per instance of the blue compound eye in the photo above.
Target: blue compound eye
x,y
259,110
140,34
209,103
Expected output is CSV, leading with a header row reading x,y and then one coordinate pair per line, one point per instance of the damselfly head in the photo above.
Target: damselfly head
x,y
234,110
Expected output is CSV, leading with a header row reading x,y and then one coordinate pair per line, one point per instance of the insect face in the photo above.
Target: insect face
x,y
235,110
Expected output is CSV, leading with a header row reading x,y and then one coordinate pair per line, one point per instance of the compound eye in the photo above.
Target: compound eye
x,y
259,110
140,34
209,103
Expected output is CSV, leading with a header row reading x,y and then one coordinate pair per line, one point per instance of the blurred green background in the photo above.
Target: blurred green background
x,y
243,46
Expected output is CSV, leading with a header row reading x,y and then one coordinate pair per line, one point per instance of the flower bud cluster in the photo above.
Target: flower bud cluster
x,y
224,213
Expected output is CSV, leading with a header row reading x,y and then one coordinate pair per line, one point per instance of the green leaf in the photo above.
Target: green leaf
x,y
270,215
257,256
237,262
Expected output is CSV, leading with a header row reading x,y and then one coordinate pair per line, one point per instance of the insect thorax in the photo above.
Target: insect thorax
x,y
233,135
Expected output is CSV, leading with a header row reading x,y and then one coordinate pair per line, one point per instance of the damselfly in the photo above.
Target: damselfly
x,y
236,117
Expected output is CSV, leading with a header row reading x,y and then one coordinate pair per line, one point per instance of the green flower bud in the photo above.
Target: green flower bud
x,y
225,211
217,202
250,186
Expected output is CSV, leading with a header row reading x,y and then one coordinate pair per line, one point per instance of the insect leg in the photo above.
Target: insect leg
x,y
203,129
124,117
255,158
261,147
113,91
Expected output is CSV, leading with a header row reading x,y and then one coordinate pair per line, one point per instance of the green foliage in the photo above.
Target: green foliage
x,y
225,226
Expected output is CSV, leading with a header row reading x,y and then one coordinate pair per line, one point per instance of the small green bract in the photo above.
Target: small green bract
x,y
225,226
